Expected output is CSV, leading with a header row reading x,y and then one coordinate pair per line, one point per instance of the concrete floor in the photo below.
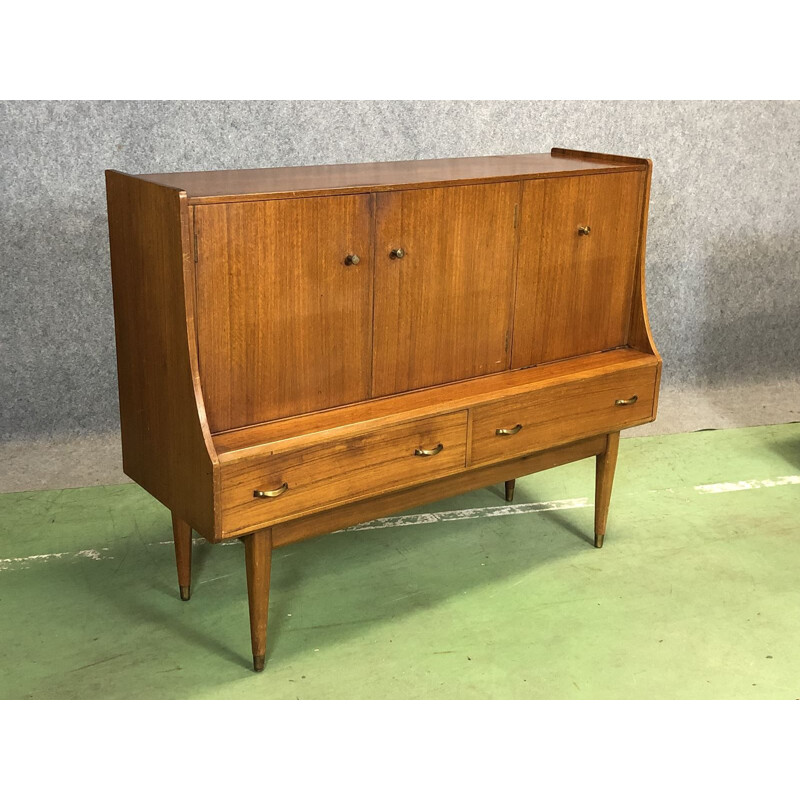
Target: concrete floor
x,y
695,594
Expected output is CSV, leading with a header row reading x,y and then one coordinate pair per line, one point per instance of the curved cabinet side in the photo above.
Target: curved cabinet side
x,y
641,337
166,445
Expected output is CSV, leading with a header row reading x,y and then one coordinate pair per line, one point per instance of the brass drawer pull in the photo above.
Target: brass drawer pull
x,y
508,431
629,402
272,492
421,451
584,230
351,260
398,252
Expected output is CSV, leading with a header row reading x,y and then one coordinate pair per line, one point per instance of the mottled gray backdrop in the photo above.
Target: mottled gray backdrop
x,y
723,250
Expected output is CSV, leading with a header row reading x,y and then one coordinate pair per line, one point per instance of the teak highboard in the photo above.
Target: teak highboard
x,y
302,349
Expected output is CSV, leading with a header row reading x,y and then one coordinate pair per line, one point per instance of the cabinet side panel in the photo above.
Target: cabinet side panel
x,y
641,336
166,447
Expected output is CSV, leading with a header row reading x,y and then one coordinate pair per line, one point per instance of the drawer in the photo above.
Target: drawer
x,y
324,475
560,413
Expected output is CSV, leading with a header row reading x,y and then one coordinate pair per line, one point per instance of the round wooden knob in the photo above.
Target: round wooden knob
x,y
351,260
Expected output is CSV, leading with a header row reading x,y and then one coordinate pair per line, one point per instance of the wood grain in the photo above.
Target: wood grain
x,y
166,444
284,435
574,291
588,155
285,325
640,335
465,481
331,179
443,311
554,415
338,472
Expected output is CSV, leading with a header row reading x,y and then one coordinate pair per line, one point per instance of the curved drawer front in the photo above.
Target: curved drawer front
x,y
297,482
555,415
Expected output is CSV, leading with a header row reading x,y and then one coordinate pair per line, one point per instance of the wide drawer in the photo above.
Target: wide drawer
x,y
321,476
560,413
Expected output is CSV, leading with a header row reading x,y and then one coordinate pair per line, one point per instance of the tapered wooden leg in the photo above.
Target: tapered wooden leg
x,y
258,559
510,490
606,464
182,533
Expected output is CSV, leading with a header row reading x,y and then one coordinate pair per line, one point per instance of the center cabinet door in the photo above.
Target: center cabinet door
x,y
284,318
443,308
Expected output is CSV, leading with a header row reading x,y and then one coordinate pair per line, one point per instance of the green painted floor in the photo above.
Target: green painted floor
x,y
696,593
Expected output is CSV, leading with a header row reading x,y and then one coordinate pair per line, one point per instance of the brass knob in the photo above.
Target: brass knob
x,y
398,252
584,230
351,260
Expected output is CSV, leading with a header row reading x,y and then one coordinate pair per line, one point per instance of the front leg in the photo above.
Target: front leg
x,y
258,560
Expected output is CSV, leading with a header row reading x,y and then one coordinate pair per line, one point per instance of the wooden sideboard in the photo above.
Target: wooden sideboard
x,y
302,349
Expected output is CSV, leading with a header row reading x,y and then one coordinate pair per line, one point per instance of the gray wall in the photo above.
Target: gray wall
x,y
723,253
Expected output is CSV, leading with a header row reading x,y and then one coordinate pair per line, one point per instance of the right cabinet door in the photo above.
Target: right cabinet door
x,y
577,256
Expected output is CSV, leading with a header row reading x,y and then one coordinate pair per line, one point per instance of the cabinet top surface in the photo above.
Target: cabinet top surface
x,y
257,184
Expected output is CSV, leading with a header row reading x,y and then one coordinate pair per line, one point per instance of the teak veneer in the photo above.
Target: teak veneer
x,y
305,348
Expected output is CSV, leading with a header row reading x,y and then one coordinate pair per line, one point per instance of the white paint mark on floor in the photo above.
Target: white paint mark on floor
x,y
471,513
93,554
29,561
431,517
196,542
218,578
740,486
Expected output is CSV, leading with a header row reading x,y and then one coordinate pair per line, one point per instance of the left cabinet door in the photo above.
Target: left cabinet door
x,y
284,307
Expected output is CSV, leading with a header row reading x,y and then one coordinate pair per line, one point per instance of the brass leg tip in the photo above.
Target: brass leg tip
x,y
185,592
258,663
598,540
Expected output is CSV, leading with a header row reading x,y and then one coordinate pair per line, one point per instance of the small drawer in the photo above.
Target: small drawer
x,y
564,412
297,482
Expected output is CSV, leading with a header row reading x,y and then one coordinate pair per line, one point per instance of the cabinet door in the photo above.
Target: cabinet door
x,y
283,322
442,310
574,286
